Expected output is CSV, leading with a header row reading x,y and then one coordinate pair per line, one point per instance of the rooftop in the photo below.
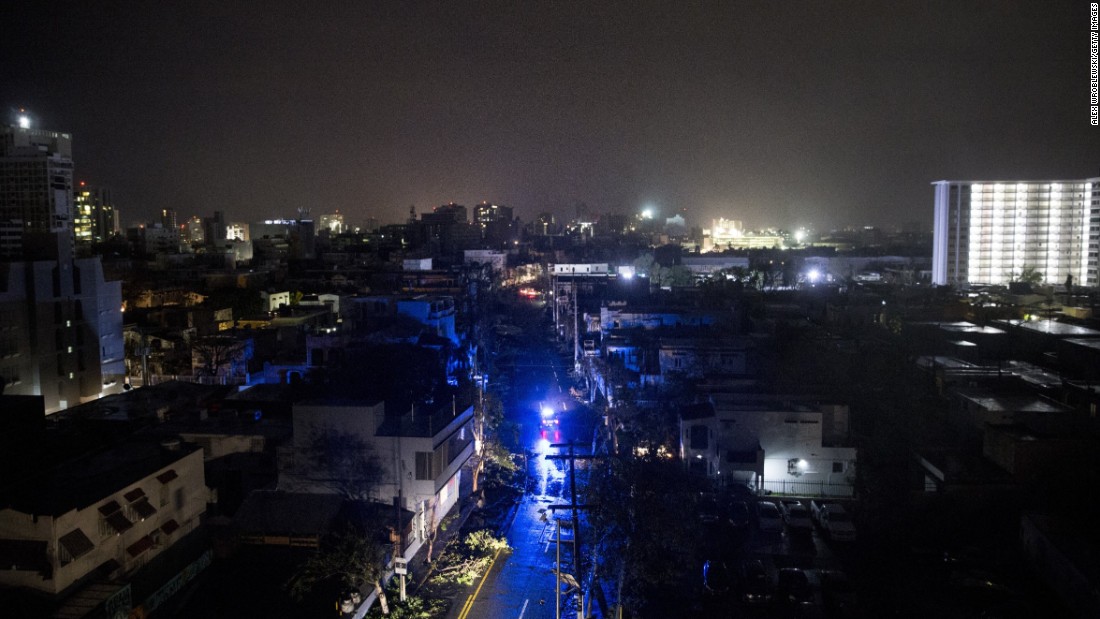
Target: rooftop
x,y
1019,403
82,482
1052,327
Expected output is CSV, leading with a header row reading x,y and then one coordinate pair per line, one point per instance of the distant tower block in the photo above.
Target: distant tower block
x,y
990,232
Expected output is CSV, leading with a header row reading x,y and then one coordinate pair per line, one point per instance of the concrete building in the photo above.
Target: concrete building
x,y
770,445
730,234
705,266
155,239
495,260
193,231
333,222
60,331
108,513
991,232
36,190
95,218
419,453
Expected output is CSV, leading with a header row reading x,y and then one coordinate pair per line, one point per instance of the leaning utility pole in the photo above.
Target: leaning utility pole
x,y
572,457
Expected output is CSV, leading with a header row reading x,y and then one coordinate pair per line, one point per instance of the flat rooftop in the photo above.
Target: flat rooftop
x,y
1017,403
84,481
1053,327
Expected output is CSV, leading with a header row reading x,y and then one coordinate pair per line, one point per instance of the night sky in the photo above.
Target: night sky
x,y
777,113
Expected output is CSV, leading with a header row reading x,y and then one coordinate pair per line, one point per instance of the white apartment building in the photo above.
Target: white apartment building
x,y
990,232
107,513
421,454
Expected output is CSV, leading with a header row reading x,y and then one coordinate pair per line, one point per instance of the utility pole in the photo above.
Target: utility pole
x,y
574,508
554,293
576,333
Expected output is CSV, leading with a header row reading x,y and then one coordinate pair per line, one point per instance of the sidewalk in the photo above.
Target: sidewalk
x,y
418,562
419,570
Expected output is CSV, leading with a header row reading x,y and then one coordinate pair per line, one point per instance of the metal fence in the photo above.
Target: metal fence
x,y
809,488
156,379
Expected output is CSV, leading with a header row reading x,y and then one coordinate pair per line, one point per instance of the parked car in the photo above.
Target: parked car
x,y
769,518
796,516
739,516
716,577
834,520
753,582
837,594
741,492
793,587
707,508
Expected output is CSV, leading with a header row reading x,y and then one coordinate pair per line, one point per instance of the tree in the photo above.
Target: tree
x,y
643,264
676,275
466,562
414,607
341,462
433,532
217,352
638,531
1028,275
488,413
347,557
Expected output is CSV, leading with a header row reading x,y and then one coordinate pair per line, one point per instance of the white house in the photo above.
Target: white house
x,y
770,446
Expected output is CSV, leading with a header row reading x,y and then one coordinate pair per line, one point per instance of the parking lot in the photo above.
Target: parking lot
x,y
803,572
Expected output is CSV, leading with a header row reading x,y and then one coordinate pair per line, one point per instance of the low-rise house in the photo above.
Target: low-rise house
x,y
700,356
1031,456
770,445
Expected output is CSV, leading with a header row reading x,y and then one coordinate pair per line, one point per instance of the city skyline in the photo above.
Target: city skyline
x,y
778,115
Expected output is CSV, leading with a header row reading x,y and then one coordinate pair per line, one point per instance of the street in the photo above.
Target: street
x,y
521,582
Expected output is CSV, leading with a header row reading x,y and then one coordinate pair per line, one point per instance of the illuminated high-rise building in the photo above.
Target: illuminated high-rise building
x,y
95,218
36,190
993,232
333,222
168,218
61,325
193,231
486,214
494,222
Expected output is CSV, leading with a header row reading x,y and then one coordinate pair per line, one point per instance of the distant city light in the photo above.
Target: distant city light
x,y
813,275
647,213
799,236
24,122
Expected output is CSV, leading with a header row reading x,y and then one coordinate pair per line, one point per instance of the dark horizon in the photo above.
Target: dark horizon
x,y
777,114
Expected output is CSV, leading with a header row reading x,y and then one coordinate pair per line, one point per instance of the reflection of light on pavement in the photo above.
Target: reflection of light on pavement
x,y
548,471
542,446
